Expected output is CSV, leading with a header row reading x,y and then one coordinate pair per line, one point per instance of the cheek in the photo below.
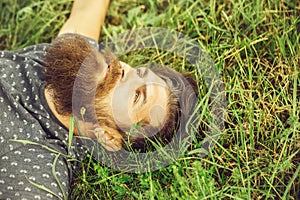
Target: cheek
x,y
157,115
119,104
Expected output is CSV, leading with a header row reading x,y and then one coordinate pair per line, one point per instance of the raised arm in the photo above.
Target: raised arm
x,y
86,18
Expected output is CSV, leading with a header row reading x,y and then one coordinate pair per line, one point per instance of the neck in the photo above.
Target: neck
x,y
65,120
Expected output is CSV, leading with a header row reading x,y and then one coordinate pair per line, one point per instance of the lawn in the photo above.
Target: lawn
x,y
255,48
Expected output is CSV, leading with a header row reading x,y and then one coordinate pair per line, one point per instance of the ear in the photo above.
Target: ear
x,y
110,138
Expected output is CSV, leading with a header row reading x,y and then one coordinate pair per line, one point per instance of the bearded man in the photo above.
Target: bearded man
x,y
42,86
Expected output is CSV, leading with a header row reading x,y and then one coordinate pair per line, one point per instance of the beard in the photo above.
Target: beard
x,y
80,79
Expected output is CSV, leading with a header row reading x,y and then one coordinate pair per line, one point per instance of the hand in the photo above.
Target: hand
x,y
109,138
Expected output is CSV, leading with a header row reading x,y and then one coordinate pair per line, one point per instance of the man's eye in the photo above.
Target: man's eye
x,y
137,96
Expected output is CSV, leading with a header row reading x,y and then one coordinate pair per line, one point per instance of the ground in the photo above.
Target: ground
x,y
255,47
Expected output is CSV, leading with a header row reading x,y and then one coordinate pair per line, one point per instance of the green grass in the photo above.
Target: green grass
x,y
255,46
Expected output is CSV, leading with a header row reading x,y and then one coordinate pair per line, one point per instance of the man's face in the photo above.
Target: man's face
x,y
121,97
139,95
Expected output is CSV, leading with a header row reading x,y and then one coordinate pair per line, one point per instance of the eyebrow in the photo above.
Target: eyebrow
x,y
145,72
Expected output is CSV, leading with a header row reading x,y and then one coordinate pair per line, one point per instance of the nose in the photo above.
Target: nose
x,y
125,66
139,74
125,70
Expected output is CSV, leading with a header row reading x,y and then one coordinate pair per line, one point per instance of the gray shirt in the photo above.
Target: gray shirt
x,y
34,151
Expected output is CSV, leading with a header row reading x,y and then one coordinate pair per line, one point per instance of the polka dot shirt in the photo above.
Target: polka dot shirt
x,y
34,144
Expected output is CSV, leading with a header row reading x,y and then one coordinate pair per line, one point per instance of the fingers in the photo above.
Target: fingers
x,y
111,140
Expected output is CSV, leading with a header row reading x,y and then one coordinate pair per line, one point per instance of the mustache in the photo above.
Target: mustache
x,y
100,77
89,90
113,74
